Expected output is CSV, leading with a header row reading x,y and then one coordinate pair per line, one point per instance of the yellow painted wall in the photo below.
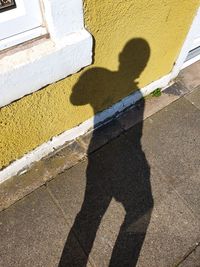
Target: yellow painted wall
x,y
161,26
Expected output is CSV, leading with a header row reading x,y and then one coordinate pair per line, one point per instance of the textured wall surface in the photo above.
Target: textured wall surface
x,y
159,26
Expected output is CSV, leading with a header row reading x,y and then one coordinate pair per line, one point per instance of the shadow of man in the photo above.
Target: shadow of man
x,y
119,170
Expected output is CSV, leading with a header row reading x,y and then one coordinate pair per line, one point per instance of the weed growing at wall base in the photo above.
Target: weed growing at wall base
x,y
156,93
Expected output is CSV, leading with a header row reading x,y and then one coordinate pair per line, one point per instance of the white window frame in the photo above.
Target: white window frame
x,y
22,23
26,69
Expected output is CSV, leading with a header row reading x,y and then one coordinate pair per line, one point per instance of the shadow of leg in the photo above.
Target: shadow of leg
x,y
84,230
129,241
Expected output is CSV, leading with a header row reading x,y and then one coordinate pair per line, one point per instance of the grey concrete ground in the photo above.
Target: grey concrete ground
x,y
133,201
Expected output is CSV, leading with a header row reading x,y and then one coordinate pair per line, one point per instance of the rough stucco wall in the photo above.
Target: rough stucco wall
x,y
36,118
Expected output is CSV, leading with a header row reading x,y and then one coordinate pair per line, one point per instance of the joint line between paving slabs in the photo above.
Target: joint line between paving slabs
x,y
187,254
56,202
192,104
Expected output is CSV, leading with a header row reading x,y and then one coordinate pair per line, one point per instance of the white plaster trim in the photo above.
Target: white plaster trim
x,y
186,46
29,70
20,165
22,37
26,16
63,17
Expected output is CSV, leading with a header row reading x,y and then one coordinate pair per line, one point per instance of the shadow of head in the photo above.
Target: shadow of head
x,y
134,57
100,87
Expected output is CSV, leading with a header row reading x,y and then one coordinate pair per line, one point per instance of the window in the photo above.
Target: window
x,y
7,4
65,50
20,20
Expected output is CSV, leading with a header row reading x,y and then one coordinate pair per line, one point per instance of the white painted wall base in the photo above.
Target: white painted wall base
x,y
21,165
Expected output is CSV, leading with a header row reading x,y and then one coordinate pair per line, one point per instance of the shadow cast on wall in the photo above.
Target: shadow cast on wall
x,y
119,170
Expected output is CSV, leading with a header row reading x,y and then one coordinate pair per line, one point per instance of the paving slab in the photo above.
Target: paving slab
x,y
32,233
63,159
176,89
173,229
151,105
172,136
95,139
39,173
170,94
108,202
194,97
85,192
69,189
132,116
19,186
190,76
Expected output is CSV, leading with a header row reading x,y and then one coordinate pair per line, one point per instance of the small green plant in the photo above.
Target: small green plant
x,y
156,93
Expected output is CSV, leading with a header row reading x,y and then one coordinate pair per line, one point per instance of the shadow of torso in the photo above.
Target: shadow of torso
x,y
101,88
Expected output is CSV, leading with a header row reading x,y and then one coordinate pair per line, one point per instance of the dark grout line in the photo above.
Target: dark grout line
x,y
55,201
192,103
4,209
57,204
187,254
